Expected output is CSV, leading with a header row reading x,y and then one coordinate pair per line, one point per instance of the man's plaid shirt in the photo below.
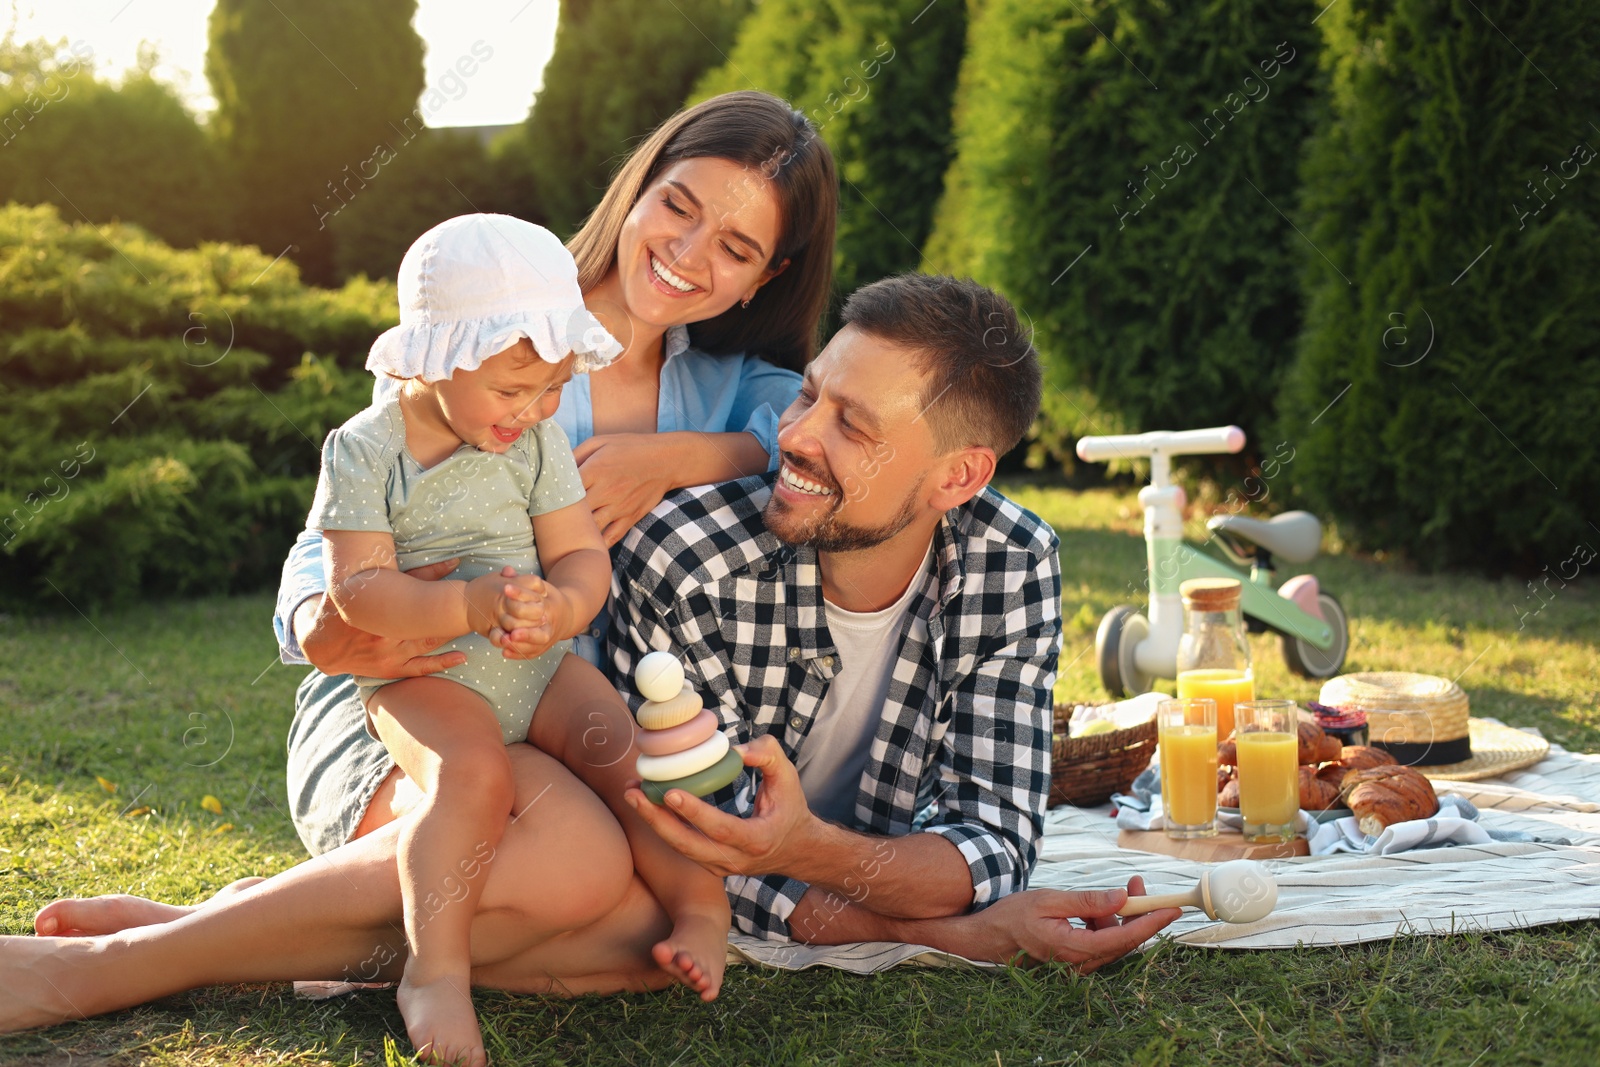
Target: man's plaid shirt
x,y
963,748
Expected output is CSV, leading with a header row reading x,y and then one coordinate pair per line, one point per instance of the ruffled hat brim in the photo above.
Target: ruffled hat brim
x,y
433,351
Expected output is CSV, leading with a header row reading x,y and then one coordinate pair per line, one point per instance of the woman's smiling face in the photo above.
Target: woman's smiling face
x,y
698,241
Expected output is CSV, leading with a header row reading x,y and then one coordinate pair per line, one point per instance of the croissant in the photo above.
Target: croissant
x,y
1311,738
1354,758
1315,793
1228,796
1228,753
1360,757
1331,749
1379,797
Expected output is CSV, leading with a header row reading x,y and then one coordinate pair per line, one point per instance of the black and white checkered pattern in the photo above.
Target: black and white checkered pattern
x,y
963,748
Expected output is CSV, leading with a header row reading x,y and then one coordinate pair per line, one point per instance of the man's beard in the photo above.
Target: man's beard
x,y
826,532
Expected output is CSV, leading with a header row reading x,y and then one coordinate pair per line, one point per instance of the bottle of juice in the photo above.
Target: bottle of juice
x,y
1214,653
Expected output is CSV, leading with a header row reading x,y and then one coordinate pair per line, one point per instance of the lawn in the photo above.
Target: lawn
x,y
117,730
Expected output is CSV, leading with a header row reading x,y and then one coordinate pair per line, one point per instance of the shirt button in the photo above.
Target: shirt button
x,y
827,661
797,722
794,653
595,633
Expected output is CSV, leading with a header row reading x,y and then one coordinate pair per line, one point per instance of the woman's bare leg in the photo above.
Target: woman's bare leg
x,y
562,865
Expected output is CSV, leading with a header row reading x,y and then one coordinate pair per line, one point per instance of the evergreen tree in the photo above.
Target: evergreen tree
x,y
619,68
1446,383
102,153
876,81
307,93
1119,169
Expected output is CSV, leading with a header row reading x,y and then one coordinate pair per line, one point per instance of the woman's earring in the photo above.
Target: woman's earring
x,y
745,302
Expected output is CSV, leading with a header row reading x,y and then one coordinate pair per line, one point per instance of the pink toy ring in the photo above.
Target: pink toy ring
x,y
677,738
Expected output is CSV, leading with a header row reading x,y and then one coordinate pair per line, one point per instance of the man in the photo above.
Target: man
x,y
878,625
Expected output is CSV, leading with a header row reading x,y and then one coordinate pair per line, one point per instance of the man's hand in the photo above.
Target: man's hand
x,y
335,647
774,839
624,478
1037,926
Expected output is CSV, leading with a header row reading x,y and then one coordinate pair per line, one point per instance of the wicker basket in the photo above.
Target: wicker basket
x,y
1087,770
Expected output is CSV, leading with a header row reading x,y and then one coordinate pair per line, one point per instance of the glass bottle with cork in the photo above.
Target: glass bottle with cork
x,y
1214,653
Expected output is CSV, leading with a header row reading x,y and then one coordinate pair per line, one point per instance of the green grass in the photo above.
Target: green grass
x,y
173,702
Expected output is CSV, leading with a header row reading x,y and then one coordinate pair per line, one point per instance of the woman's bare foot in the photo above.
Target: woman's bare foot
x,y
88,916
38,984
440,1019
695,953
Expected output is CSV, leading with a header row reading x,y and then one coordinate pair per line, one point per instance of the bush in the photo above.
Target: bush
x,y
1446,382
129,152
437,176
597,102
1133,224
164,410
875,80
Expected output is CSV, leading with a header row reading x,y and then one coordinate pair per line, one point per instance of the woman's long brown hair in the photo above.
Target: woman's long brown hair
x,y
761,132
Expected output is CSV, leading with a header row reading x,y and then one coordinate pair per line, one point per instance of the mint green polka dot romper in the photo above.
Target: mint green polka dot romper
x,y
475,505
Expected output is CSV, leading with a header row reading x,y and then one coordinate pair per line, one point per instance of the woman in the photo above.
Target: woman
x,y
715,239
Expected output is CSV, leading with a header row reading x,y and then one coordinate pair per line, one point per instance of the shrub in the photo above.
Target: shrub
x,y
130,152
1136,225
875,80
164,409
619,68
1444,388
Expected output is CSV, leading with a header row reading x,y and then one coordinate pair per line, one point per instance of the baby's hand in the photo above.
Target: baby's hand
x,y
533,616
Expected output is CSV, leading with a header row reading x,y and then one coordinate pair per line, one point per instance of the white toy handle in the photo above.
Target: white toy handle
x,y
1160,442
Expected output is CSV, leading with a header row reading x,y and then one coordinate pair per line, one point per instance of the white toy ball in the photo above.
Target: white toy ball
x,y
659,676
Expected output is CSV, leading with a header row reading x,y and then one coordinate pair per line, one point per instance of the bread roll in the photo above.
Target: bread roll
x,y
1379,797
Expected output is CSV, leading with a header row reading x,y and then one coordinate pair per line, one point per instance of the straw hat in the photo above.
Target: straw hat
x,y
472,286
1422,721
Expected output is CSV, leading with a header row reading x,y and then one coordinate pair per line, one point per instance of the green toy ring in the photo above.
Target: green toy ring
x,y
713,778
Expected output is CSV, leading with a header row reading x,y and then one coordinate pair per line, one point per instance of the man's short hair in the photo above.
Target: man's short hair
x,y
983,377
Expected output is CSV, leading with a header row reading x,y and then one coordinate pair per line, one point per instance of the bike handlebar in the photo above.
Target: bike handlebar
x,y
1160,442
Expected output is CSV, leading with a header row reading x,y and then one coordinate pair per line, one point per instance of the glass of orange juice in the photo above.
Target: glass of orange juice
x,y
1226,685
1187,739
1269,777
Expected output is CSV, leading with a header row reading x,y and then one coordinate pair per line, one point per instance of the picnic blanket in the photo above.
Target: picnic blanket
x,y
1337,899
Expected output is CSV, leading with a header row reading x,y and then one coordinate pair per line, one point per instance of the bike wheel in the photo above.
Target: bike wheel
x,y
1121,630
1309,661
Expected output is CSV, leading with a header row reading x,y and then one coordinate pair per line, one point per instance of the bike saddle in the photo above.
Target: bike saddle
x,y
1294,536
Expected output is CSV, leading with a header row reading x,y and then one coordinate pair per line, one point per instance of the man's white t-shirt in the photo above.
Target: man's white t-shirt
x,y
834,754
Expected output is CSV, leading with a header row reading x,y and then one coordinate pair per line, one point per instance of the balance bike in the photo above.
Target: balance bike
x,y
1134,650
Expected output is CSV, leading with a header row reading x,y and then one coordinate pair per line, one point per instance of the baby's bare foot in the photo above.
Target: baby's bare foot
x,y
695,953
440,1019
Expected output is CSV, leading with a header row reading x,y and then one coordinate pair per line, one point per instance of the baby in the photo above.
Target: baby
x,y
464,463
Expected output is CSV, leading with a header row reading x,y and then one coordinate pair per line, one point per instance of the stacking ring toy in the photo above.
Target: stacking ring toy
x,y
677,738
705,782
661,714
659,676
682,764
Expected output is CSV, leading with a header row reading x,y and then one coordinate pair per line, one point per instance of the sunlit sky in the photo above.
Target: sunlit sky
x,y
521,32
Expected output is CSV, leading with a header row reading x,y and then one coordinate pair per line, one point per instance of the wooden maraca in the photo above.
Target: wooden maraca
x,y
1239,891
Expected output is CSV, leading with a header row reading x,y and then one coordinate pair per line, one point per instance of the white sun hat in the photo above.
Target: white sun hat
x,y
472,286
